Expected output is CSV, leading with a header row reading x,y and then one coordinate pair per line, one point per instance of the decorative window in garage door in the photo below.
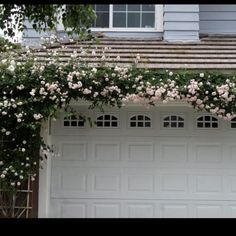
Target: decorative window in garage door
x,y
107,121
74,121
140,121
173,121
207,122
233,123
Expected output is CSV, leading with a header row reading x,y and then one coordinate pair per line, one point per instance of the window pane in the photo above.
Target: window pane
x,y
148,20
200,125
148,7
173,117
119,7
73,123
66,123
107,117
119,20
133,20
133,7
140,117
215,125
102,7
102,20
132,124
140,124
166,124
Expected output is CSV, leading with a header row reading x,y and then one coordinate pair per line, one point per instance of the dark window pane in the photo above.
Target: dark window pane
x,y
133,20
207,118
119,20
81,123
233,125
167,118
148,7
147,118
133,118
214,125
181,124
107,117
73,123
200,119
207,124
100,118
140,124
132,124
166,124
213,118
180,118
113,118
173,117
73,117
107,124
147,124
66,123
102,7
134,7
173,124
148,20
234,119
200,125
99,124
119,7
140,117
114,124
102,20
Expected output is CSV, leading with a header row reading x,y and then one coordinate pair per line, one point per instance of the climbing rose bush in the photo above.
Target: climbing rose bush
x,y
32,91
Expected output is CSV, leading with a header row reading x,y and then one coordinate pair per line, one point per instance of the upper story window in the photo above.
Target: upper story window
x,y
138,17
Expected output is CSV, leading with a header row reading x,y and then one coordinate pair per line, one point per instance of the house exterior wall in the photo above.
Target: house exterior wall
x,y
182,22
217,19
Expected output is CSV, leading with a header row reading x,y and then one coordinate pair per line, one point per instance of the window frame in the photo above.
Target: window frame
x,y
158,27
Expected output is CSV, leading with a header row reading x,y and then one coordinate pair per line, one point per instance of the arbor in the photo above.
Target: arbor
x,y
76,18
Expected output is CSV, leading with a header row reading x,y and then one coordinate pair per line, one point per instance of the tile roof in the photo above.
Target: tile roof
x,y
209,53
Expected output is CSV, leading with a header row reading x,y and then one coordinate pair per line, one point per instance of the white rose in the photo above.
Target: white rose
x,y
201,75
2,176
11,68
8,133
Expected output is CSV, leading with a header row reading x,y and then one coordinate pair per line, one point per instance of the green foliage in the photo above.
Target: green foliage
x,y
32,91
76,18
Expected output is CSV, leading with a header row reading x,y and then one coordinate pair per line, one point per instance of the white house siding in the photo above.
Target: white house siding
x,y
181,22
217,19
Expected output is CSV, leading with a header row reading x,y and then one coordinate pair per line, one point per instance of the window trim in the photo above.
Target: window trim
x,y
204,121
158,27
107,127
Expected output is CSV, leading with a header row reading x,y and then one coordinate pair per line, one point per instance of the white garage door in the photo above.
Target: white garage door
x,y
138,162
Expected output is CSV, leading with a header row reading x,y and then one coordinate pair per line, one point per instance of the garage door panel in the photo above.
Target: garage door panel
x,y
141,151
174,152
141,210
174,210
106,151
143,172
174,183
209,211
74,151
